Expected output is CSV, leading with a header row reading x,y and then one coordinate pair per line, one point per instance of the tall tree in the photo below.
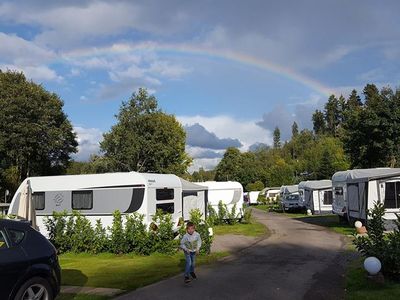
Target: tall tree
x,y
36,137
230,165
319,125
295,129
277,138
332,115
354,101
145,139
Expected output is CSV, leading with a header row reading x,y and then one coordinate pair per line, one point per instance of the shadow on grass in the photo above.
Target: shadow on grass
x,y
74,277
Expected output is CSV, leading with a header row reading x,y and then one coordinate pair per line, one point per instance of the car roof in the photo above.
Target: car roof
x,y
14,223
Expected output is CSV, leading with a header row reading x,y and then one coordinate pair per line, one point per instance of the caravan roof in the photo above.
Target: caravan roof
x,y
109,180
362,175
316,184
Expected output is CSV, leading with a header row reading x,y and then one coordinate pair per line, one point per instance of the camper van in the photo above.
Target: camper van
x,y
229,192
355,191
316,195
97,196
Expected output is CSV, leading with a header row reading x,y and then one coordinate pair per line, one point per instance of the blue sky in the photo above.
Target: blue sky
x,y
229,70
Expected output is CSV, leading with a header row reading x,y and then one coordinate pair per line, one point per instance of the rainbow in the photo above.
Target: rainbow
x,y
224,54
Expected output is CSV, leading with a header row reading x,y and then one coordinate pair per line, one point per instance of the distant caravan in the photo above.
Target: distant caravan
x,y
316,195
356,191
229,192
97,196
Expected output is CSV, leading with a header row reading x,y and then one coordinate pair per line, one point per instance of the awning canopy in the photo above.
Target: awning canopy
x,y
190,186
290,189
364,175
316,184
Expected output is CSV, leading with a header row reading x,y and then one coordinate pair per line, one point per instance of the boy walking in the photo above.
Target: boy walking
x,y
190,244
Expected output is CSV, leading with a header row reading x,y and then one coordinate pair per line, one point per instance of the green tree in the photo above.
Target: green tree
x,y
319,125
295,129
145,139
332,115
36,137
254,186
229,167
277,138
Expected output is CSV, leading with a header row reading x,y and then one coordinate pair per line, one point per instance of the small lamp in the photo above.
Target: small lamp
x,y
357,224
210,231
309,212
372,265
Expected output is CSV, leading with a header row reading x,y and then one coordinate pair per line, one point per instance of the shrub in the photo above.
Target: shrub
x,y
231,216
246,215
82,238
385,247
222,212
162,234
212,216
100,239
136,234
55,226
117,242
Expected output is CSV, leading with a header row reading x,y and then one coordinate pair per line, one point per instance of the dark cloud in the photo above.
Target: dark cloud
x,y
283,116
198,136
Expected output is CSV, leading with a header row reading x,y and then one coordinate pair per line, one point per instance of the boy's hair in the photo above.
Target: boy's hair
x,y
189,224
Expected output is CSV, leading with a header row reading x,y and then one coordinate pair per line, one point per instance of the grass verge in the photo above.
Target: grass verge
x,y
126,272
359,287
253,228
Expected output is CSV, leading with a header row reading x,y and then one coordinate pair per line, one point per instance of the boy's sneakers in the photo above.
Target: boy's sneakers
x,y
193,275
187,279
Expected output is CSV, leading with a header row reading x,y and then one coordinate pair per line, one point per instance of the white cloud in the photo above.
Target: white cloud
x,y
88,142
205,163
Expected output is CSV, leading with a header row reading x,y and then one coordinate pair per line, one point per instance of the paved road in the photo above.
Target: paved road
x,y
298,261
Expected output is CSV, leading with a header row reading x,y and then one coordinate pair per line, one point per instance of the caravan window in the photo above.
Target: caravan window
x,y
392,198
38,200
328,199
166,207
82,200
165,194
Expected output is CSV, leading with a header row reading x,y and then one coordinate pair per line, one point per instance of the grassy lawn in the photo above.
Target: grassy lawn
x,y
254,228
126,272
359,287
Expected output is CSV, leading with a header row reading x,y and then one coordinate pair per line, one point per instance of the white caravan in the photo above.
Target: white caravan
x,y
316,195
271,193
194,196
229,192
97,196
253,197
355,191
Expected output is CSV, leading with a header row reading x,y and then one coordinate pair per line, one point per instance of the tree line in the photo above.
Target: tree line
x,y
37,139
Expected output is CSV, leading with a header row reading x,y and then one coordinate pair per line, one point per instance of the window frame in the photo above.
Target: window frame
x,y
167,203
44,199
331,198
165,190
81,192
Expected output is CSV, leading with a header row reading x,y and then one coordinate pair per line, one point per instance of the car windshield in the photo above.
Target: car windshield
x,y
292,198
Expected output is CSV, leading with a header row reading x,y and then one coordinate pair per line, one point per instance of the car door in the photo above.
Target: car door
x,y
13,264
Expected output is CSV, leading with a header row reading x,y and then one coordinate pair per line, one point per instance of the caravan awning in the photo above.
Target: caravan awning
x,y
290,189
316,184
364,175
190,186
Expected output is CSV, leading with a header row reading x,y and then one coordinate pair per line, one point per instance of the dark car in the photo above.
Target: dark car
x,y
29,267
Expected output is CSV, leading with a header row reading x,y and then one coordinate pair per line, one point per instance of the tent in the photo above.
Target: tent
x,y
316,195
